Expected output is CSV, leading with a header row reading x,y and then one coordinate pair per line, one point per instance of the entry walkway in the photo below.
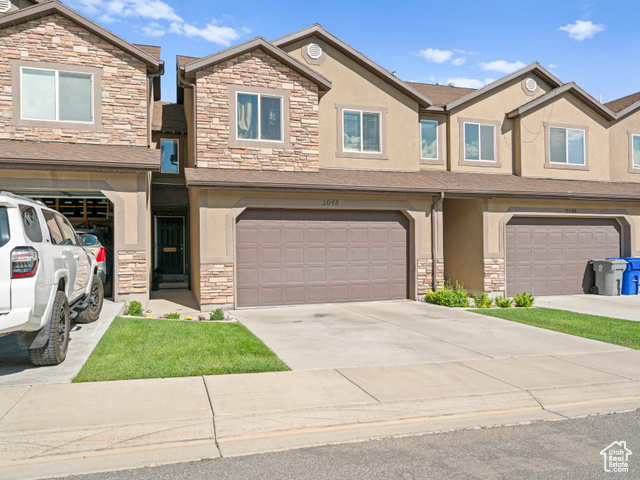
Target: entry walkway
x,y
626,307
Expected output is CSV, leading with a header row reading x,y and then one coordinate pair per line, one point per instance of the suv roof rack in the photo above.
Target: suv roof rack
x,y
20,197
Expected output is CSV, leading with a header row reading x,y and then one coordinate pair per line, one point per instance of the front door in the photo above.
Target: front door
x,y
170,245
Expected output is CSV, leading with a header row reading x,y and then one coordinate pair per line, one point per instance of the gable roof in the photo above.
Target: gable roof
x,y
572,88
441,94
623,106
46,8
182,60
535,67
152,50
262,44
359,58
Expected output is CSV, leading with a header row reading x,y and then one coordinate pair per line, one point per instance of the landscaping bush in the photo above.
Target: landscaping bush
x,y
524,300
217,314
449,296
134,309
482,301
503,302
172,316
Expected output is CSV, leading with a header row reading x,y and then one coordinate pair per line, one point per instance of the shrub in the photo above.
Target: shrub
x,y
172,316
503,302
217,314
482,301
134,309
449,296
524,300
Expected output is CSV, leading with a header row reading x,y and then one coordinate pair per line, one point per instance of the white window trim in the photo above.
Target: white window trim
x,y
260,95
566,147
437,140
464,143
361,112
177,141
57,95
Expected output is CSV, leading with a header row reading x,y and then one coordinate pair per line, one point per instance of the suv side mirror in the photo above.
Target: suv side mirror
x,y
89,240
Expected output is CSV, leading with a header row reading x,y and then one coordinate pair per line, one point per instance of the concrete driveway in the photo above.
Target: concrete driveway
x,y
399,332
16,369
626,307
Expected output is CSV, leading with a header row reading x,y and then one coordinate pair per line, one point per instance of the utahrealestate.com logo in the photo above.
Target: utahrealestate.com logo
x,y
616,457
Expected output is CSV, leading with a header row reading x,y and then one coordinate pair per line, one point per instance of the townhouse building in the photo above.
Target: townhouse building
x,y
299,171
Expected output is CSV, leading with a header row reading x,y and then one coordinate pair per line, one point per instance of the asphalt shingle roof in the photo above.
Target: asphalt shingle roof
x,y
169,117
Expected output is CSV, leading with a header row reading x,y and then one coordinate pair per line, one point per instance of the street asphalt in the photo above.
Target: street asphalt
x,y
564,449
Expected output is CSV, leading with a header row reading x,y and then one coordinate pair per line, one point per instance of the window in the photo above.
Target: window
x,y
169,156
361,131
5,234
30,223
429,139
635,149
54,229
67,230
566,146
259,117
58,96
479,142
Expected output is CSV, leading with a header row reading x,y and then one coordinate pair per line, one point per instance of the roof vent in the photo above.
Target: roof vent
x,y
5,5
314,51
438,83
452,84
531,84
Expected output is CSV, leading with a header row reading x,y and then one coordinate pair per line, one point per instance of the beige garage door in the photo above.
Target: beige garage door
x,y
549,256
313,256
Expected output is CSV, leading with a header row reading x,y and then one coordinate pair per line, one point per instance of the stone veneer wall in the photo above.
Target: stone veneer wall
x,y
256,69
494,275
425,275
55,39
216,284
132,272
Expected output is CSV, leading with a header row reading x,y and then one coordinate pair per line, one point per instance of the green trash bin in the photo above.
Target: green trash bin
x,y
609,275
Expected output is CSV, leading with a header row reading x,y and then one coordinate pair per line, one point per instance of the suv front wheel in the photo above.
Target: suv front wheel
x,y
55,350
94,306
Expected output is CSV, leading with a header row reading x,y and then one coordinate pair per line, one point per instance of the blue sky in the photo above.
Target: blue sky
x,y
469,43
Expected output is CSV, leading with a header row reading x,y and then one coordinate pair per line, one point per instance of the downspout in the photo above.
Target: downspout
x,y
183,83
434,241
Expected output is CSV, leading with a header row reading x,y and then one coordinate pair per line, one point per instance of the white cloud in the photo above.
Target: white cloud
x,y
469,82
582,30
458,61
112,9
553,65
502,66
435,55
212,32
457,50
154,29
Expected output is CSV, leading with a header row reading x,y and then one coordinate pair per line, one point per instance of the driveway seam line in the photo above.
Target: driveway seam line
x,y
490,376
542,406
592,368
213,418
414,331
354,383
16,402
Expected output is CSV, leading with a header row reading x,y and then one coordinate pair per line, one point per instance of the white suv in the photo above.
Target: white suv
x,y
47,279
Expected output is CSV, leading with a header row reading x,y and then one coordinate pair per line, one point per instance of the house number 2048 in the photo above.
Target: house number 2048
x,y
330,203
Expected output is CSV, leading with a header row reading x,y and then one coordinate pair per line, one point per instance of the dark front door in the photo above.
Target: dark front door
x,y
170,245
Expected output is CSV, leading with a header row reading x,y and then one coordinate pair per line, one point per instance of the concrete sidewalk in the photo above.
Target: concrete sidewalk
x,y
55,430
626,307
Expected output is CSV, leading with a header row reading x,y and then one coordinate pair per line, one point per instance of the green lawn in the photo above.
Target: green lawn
x,y
154,348
605,329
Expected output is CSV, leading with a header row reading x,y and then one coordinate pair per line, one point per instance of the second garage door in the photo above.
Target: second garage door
x,y
312,256
549,256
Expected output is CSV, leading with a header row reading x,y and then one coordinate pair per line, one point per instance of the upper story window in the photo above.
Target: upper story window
x,y
259,117
361,131
58,96
635,151
169,154
567,146
479,142
429,139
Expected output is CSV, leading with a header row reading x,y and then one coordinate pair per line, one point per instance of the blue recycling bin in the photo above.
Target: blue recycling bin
x,y
631,276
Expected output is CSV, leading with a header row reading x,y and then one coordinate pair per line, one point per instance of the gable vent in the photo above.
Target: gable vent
x,y
314,51
531,84
4,6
